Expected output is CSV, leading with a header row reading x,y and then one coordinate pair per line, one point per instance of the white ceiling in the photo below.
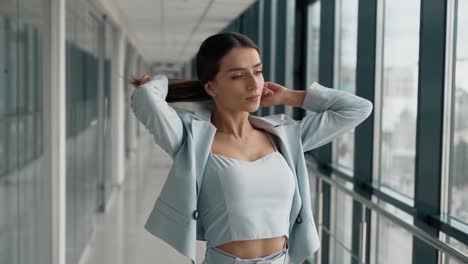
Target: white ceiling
x,y
171,31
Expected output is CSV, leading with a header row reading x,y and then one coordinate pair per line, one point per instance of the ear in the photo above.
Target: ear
x,y
209,88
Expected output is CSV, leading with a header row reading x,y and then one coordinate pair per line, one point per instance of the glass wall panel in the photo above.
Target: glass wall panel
x,y
458,245
343,207
342,255
85,166
280,16
399,75
312,53
289,53
3,147
394,244
110,80
343,147
458,207
24,183
313,42
4,94
131,124
452,261
266,46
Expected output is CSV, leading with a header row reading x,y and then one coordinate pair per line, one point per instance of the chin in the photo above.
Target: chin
x,y
251,107
254,109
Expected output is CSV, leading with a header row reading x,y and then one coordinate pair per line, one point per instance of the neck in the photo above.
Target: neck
x,y
235,124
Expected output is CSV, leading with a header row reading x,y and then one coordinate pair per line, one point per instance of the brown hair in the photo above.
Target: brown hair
x,y
208,60
179,90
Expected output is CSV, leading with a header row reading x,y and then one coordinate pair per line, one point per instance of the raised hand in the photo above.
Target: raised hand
x,y
137,81
273,94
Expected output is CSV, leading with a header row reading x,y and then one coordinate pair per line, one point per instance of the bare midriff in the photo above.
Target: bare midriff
x,y
247,249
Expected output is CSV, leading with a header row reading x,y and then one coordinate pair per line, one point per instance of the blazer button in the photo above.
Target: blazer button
x,y
299,220
195,214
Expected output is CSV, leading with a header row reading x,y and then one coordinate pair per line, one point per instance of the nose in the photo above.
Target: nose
x,y
254,82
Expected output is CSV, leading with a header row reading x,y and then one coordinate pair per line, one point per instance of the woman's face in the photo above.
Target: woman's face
x,y
239,77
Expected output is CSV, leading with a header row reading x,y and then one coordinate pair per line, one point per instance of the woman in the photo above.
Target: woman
x,y
243,177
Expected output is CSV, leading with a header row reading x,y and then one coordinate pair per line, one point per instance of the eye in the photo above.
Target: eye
x,y
237,77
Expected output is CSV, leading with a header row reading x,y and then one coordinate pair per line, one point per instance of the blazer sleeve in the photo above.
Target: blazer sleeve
x,y
335,113
148,102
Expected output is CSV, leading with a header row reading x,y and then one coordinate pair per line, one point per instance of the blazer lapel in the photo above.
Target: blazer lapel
x,y
203,133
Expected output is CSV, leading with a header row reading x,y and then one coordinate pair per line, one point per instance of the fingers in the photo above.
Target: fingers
x,y
146,77
274,87
267,91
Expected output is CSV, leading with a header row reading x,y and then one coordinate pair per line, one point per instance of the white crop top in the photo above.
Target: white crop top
x,y
245,200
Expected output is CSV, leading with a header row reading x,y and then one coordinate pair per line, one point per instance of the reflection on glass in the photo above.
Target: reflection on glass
x,y
82,141
3,68
24,182
399,94
343,255
3,99
313,42
343,148
30,144
394,244
343,224
452,261
458,245
3,147
12,144
458,208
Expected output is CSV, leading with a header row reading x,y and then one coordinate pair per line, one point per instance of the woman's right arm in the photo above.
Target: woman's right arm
x,y
336,112
149,105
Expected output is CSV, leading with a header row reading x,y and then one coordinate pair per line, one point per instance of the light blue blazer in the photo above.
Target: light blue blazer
x,y
187,137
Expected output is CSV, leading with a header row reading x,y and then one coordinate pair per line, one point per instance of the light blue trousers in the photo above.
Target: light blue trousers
x,y
215,255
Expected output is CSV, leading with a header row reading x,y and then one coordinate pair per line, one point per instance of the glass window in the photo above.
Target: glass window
x,y
399,86
30,73
3,67
343,226
280,16
26,212
84,37
39,80
343,149
458,245
458,207
394,244
38,135
22,140
29,138
12,143
22,56
452,261
12,65
313,42
3,147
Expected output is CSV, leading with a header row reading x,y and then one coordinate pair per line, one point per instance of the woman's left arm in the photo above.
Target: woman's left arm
x,y
335,113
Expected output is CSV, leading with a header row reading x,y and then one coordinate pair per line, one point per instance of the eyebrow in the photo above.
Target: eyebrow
x,y
237,69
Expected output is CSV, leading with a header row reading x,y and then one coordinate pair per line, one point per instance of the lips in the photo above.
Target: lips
x,y
252,97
